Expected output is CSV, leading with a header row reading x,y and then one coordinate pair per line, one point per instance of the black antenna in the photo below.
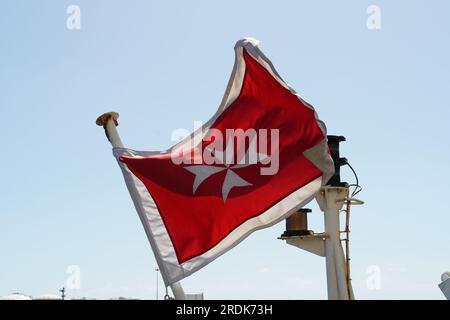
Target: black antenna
x,y
63,293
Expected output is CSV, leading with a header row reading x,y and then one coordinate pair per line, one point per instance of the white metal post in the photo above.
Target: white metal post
x,y
109,122
331,199
178,291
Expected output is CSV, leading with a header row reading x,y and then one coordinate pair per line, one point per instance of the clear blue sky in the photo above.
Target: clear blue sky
x,y
165,64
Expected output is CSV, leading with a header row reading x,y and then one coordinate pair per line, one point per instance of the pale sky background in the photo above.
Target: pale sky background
x,y
165,64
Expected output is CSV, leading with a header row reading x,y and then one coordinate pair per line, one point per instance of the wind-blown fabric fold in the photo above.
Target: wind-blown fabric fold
x,y
194,209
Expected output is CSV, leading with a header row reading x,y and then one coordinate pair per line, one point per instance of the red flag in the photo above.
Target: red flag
x,y
262,156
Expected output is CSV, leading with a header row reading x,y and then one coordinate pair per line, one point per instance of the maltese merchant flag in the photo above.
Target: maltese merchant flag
x,y
262,156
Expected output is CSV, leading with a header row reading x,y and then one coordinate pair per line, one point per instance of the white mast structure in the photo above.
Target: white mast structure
x,y
331,199
109,122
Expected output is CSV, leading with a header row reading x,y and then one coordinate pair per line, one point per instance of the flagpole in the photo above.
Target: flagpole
x,y
109,122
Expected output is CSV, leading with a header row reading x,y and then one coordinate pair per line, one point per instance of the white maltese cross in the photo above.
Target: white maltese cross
x,y
232,179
